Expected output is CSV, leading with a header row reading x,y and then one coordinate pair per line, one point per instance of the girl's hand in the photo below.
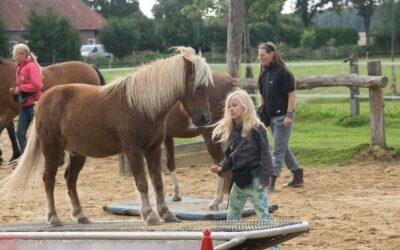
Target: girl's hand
x,y
15,90
216,169
287,121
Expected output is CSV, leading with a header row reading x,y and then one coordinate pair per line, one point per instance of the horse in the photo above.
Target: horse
x,y
128,115
179,125
61,73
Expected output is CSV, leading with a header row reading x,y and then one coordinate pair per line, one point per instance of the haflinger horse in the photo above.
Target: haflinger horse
x,y
128,115
61,73
179,125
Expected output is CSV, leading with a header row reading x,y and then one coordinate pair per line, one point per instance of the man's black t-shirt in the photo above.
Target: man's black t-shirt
x,y
274,85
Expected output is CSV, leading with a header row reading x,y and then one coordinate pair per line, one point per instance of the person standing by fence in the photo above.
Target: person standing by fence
x,y
28,89
277,88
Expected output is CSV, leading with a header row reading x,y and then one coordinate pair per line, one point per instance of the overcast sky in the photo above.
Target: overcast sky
x,y
146,5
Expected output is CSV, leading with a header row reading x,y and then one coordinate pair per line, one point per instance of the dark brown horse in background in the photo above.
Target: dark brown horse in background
x,y
128,115
179,125
61,73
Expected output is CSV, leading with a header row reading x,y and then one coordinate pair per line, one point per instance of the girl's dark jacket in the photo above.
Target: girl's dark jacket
x,y
251,152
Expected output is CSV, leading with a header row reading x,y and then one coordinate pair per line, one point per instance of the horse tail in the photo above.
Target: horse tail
x,y
27,168
102,80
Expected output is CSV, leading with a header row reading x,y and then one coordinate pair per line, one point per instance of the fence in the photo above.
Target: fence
x,y
374,82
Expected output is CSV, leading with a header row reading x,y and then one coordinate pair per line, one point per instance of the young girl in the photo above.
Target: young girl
x,y
247,154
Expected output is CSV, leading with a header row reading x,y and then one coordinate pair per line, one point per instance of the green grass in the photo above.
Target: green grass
x,y
321,133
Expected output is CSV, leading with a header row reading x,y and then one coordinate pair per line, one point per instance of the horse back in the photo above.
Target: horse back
x,y
69,72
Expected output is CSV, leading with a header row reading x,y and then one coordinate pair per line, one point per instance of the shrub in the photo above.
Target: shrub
x,y
353,121
342,36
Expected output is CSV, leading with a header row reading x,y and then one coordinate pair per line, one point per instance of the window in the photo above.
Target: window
x,y
91,41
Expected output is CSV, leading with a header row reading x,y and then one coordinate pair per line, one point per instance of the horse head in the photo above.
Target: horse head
x,y
198,80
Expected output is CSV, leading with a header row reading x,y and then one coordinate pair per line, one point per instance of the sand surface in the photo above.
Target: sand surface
x,y
348,207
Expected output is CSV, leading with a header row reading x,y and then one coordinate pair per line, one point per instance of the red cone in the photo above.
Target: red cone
x,y
206,242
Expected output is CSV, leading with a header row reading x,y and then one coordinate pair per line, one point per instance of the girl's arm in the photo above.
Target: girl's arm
x,y
226,163
266,158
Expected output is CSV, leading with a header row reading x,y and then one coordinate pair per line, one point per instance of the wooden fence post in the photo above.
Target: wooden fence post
x,y
354,91
376,107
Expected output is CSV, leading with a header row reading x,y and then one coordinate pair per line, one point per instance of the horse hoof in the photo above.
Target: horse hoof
x,y
55,221
213,207
84,220
177,198
170,217
152,219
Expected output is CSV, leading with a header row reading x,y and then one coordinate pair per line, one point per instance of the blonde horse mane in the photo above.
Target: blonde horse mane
x,y
156,85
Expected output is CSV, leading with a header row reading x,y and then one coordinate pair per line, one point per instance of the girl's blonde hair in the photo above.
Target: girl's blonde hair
x,y
23,48
250,120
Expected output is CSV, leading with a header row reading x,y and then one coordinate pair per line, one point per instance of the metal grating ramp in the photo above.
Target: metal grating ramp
x,y
138,226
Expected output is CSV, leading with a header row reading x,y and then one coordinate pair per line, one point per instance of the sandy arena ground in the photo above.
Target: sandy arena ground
x,y
350,207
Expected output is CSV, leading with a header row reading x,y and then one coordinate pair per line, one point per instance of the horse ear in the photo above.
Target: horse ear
x,y
189,65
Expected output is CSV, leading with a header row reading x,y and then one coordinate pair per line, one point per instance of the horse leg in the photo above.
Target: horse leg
x,y
1,153
169,149
14,143
215,150
135,159
49,176
75,165
153,158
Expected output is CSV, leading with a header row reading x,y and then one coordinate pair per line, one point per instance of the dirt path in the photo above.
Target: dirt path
x,y
351,207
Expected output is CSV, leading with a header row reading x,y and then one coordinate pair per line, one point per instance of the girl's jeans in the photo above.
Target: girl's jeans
x,y
238,198
24,120
281,151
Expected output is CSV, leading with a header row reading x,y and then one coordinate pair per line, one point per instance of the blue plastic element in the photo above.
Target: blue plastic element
x,y
187,209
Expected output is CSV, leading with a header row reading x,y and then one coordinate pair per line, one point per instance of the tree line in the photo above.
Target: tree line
x,y
203,24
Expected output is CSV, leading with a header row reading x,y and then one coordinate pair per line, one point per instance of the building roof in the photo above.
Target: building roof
x,y
14,13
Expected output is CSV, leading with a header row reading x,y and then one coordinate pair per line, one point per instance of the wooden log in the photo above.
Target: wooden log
x,y
377,108
346,80
354,91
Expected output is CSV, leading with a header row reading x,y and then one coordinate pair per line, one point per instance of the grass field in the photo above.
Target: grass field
x,y
318,136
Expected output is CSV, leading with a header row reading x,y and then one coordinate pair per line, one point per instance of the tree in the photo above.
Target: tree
x,y
120,36
52,38
307,9
366,9
4,47
149,38
289,30
235,34
381,29
174,27
250,12
114,8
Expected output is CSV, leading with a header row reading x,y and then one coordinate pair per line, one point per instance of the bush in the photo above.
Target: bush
x,y
130,61
342,36
308,39
353,121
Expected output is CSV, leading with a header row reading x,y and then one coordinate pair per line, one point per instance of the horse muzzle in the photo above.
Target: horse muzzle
x,y
201,118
